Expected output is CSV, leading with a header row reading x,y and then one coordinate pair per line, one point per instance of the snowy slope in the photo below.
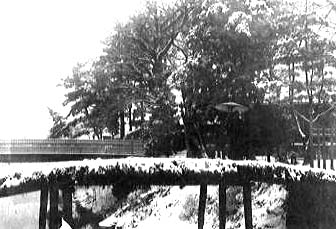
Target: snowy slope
x,y
171,207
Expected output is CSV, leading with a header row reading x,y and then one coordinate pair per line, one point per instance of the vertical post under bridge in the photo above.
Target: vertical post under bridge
x,y
247,198
201,205
54,220
43,205
222,203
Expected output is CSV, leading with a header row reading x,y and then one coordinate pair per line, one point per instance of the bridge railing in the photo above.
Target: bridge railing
x,y
71,146
50,177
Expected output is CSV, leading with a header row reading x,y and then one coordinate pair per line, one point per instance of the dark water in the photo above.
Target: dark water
x,y
90,204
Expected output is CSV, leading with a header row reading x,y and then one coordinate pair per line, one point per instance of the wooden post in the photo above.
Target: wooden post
x,y
67,204
53,212
247,199
319,148
201,205
132,146
222,204
43,205
324,149
332,148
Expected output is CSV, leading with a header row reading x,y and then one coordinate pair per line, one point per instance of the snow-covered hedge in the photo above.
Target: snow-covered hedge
x,y
23,177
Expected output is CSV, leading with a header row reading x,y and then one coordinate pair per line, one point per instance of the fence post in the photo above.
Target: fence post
x,y
43,205
324,148
332,148
319,148
201,205
222,204
53,213
247,199
67,204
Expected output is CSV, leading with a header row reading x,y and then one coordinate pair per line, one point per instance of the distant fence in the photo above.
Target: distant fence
x,y
70,147
324,140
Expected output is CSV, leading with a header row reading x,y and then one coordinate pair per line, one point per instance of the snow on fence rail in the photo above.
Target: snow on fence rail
x,y
50,177
160,171
70,146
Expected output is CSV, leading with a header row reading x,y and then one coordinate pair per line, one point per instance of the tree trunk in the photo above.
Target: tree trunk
x,y
142,112
122,124
130,117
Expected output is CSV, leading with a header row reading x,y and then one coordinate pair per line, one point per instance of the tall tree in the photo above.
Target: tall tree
x,y
302,49
225,54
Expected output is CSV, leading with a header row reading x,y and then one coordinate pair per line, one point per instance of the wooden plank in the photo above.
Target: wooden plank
x,y
43,205
319,149
247,199
201,205
67,204
332,149
54,219
324,149
222,204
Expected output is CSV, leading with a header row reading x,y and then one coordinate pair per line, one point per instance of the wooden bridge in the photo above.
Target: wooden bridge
x,y
24,150
49,178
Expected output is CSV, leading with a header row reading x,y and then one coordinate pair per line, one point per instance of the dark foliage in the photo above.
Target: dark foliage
x,y
311,205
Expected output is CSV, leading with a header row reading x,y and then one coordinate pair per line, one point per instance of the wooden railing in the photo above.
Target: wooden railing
x,y
50,177
73,147
324,141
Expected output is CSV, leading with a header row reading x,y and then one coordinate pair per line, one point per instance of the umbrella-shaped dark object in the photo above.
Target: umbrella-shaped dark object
x,y
231,107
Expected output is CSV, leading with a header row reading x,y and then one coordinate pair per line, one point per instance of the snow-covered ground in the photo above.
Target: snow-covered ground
x,y
170,208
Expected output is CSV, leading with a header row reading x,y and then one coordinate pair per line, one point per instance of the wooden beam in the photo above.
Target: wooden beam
x,y
247,199
155,171
332,148
54,219
67,204
43,205
324,149
319,149
222,204
201,205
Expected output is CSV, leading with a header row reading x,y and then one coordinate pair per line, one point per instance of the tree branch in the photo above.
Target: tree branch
x,y
183,52
301,116
323,113
298,125
166,48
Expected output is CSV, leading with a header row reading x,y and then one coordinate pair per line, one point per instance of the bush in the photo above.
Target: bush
x,y
190,209
233,199
311,205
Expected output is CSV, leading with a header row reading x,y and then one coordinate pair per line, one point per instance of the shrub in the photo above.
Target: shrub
x,y
311,205
233,199
190,209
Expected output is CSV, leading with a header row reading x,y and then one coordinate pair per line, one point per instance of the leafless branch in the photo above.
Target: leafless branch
x,y
299,126
301,116
323,113
183,52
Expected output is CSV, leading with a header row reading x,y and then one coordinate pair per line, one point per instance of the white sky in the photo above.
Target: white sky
x,y
40,42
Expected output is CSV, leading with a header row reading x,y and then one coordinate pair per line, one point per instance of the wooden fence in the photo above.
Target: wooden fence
x,y
69,147
52,177
324,141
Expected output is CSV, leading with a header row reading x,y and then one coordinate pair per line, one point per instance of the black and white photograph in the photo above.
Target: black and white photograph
x,y
157,114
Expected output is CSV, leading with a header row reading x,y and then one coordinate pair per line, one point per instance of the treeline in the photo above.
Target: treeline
x,y
164,71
